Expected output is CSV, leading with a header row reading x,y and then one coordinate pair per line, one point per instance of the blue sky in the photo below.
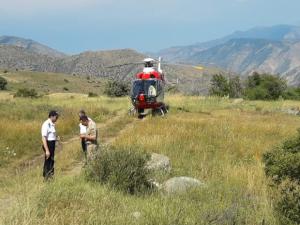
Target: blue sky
x,y
73,26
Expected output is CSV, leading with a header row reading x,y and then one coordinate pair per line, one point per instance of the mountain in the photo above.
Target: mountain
x,y
275,33
185,78
272,50
30,45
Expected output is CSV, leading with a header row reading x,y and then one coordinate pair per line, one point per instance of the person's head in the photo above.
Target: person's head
x,y
53,116
84,120
81,113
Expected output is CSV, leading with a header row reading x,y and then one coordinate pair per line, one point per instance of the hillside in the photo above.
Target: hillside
x,y
30,45
263,49
48,83
98,65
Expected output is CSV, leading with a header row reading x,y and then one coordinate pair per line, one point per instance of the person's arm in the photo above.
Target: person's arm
x,y
47,152
90,137
44,140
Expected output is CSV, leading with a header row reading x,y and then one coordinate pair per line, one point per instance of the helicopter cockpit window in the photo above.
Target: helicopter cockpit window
x,y
151,88
149,64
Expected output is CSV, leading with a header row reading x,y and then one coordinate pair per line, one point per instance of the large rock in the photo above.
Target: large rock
x,y
159,163
180,185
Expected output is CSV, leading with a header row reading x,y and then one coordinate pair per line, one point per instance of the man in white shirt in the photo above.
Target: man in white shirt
x,y
49,138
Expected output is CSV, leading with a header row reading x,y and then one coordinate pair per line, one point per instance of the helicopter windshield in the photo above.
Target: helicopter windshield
x,y
147,87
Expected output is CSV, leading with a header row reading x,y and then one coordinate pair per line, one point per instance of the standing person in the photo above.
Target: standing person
x,y
49,139
90,137
82,132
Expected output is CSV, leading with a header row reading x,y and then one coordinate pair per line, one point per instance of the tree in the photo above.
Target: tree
x,y
3,83
117,88
235,87
219,86
265,87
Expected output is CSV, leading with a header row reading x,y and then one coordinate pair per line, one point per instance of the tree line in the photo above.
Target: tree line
x,y
255,87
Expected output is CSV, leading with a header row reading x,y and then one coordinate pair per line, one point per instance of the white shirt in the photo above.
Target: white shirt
x,y
48,130
82,128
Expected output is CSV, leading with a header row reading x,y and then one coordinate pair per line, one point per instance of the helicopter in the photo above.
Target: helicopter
x,y
147,90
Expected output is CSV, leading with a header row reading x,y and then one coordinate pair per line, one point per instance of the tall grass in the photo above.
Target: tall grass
x,y
214,140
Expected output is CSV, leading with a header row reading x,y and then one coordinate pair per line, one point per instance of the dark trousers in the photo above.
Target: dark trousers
x,y
83,145
48,171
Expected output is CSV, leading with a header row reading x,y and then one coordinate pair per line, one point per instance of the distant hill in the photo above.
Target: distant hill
x,y
30,45
274,33
184,78
264,49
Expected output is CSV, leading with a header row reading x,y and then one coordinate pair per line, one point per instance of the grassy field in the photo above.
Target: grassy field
x,y
45,83
218,141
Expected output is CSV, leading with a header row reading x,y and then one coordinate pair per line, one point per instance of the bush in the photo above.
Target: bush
x,y
3,83
123,170
116,88
65,89
219,86
282,165
284,162
265,87
92,94
292,94
26,93
222,86
289,202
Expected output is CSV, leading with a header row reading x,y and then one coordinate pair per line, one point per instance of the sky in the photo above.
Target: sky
x,y
73,26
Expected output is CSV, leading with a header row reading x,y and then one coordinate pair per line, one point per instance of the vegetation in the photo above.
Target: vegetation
x,y
217,141
117,88
48,83
124,170
3,83
222,86
92,94
256,87
26,93
264,87
283,167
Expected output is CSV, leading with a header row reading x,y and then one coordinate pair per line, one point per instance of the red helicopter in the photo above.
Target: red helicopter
x,y
147,91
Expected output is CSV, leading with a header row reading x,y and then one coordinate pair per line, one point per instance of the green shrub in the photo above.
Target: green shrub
x,y
123,170
222,86
219,85
282,165
284,161
265,87
92,94
65,89
292,94
235,87
26,93
289,202
3,83
117,88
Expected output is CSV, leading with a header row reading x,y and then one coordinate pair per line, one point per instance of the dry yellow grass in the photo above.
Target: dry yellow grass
x,y
218,141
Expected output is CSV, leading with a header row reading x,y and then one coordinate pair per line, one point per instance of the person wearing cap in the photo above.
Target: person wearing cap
x,y
49,138
90,137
